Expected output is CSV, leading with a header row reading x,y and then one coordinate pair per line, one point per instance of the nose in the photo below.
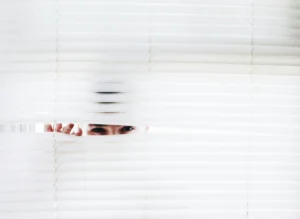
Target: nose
x,y
113,130
114,133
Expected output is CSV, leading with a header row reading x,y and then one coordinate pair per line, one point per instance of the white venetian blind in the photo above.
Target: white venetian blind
x,y
216,83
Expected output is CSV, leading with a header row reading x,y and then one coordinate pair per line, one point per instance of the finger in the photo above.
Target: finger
x,y
48,128
77,132
58,127
67,129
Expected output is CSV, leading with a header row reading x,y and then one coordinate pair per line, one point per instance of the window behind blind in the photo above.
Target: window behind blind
x,y
215,82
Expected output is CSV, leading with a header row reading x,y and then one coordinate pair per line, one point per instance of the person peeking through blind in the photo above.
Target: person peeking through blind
x,y
92,129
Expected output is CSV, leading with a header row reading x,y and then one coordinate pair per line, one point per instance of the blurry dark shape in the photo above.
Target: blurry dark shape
x,y
101,92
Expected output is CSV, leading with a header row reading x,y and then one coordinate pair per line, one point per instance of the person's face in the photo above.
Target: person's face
x,y
99,129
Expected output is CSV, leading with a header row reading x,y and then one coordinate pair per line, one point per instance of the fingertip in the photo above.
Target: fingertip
x,y
77,132
58,127
48,128
68,128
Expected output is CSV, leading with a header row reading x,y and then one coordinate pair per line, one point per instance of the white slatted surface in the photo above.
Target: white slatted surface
x,y
217,83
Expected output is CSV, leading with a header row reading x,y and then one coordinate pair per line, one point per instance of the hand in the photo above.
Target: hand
x,y
65,130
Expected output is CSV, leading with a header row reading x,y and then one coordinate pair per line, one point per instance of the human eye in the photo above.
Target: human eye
x,y
99,130
127,129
